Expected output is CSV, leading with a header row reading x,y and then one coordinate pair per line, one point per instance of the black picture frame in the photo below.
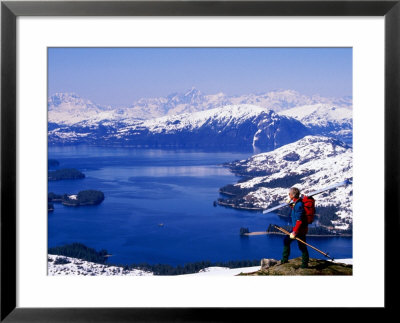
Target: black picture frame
x,y
10,10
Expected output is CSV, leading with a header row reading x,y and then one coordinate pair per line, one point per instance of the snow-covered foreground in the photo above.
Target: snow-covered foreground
x,y
85,268
348,261
221,271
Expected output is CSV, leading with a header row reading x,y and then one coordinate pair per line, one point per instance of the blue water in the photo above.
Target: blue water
x,y
146,187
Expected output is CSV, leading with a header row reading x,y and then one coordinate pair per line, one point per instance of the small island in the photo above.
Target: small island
x,y
83,198
65,173
53,163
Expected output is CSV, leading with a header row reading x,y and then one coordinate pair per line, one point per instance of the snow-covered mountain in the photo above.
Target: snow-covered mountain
x,y
73,119
194,100
70,109
176,103
311,163
325,119
228,126
281,100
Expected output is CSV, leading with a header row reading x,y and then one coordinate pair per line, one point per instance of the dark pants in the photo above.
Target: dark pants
x,y
303,248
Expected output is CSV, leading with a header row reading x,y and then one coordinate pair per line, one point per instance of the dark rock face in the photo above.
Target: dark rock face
x,y
292,157
316,267
275,132
342,132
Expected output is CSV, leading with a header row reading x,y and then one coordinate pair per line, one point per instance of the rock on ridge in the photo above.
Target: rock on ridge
x,y
316,267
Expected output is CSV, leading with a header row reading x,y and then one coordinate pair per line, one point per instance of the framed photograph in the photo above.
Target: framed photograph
x,y
160,158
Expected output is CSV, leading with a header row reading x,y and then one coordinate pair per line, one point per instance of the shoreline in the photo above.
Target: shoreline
x,y
240,207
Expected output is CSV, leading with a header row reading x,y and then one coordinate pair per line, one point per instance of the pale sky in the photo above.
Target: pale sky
x,y
119,76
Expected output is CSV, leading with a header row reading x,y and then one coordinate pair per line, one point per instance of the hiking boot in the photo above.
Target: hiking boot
x,y
285,254
304,259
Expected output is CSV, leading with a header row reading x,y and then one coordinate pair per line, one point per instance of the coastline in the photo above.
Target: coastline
x,y
258,209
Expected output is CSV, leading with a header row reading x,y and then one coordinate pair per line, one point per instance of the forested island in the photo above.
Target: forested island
x,y
65,173
87,197
53,163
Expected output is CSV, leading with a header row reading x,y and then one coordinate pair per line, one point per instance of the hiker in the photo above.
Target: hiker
x,y
300,228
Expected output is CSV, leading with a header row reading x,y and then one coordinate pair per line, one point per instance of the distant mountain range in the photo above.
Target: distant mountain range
x,y
191,118
69,108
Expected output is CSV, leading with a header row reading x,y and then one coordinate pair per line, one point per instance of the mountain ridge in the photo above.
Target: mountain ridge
x,y
243,126
311,163
322,116
191,101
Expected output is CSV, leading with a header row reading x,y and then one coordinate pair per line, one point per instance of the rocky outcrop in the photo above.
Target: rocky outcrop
x,y
267,263
316,267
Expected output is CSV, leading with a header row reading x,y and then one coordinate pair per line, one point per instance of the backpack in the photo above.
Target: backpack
x,y
309,208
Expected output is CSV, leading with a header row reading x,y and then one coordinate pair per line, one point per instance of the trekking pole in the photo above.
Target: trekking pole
x,y
288,233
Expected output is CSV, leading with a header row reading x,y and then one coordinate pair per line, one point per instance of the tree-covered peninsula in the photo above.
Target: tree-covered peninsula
x,y
53,163
87,197
79,250
65,173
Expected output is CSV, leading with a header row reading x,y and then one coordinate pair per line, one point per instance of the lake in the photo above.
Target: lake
x,y
158,208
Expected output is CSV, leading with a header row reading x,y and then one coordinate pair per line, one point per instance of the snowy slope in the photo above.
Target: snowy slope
x,y
81,267
320,114
325,119
311,163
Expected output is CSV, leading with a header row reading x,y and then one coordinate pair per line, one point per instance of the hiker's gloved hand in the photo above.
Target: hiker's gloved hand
x,y
292,235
